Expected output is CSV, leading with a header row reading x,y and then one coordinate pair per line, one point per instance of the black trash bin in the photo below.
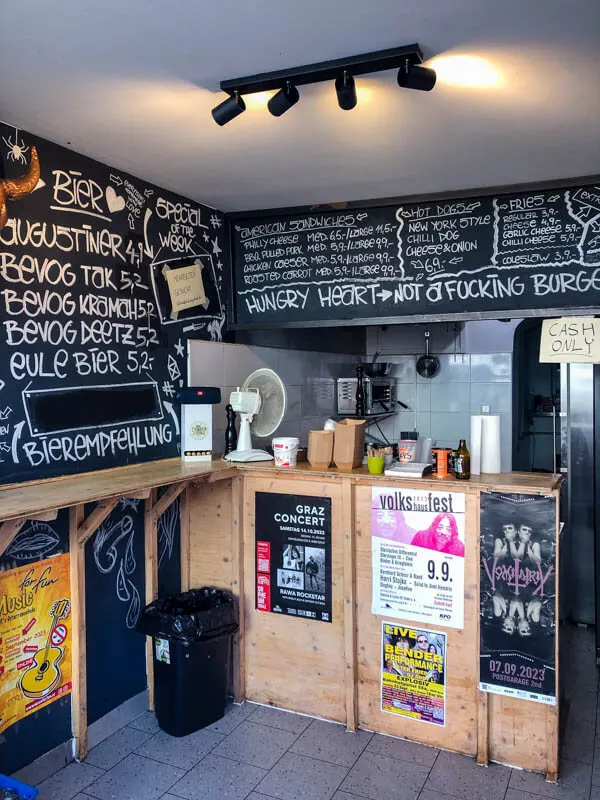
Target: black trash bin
x,y
191,642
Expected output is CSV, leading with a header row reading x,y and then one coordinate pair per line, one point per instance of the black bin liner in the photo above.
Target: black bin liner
x,y
191,616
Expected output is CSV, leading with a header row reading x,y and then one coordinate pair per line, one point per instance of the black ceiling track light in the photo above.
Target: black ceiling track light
x,y
345,88
414,76
229,109
407,60
283,100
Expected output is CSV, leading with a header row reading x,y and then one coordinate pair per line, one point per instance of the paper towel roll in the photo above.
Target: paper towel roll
x,y
475,444
490,444
424,451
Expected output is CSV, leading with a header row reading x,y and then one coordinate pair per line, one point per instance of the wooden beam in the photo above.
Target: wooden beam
x,y
224,474
237,586
78,641
96,518
8,531
141,494
45,516
552,740
553,719
483,711
483,728
184,538
151,580
349,557
168,497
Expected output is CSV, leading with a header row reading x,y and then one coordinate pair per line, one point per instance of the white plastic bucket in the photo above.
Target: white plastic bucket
x,y
285,450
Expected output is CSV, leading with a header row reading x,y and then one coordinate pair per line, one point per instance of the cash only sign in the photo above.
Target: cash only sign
x,y
418,555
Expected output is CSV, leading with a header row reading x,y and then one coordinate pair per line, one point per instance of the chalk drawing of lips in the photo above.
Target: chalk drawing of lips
x,y
114,201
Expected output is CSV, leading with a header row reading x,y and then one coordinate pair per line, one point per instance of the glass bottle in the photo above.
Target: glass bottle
x,y
462,462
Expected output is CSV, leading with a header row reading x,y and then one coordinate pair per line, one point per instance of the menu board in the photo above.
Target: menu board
x,y
528,250
92,345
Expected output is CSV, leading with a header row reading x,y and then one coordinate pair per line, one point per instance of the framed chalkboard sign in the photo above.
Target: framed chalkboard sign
x,y
485,256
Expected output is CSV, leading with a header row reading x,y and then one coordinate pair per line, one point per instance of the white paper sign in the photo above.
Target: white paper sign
x,y
570,339
418,548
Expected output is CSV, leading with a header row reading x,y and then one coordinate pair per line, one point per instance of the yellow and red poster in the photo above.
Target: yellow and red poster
x,y
35,637
413,672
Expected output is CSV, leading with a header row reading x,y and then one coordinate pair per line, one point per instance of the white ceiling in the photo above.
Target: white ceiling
x,y
132,82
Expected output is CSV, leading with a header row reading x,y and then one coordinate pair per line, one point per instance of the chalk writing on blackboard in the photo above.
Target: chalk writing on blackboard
x,y
107,555
167,528
517,251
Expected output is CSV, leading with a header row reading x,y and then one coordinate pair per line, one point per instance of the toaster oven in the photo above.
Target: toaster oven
x,y
380,395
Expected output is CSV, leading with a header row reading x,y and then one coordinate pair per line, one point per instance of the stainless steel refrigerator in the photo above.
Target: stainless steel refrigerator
x,y
576,439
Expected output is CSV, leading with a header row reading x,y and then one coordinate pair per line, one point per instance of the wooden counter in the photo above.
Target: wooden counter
x,y
328,670
334,670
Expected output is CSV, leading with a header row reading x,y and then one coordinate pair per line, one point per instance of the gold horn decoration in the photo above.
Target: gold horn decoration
x,y
19,187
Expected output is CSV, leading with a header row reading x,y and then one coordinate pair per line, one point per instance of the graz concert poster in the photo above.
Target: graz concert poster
x,y
518,596
293,555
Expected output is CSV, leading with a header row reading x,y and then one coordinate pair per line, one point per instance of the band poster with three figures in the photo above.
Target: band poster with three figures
x,y
35,637
293,555
518,596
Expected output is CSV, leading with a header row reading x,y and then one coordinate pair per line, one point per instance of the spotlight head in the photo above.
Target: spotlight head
x,y
346,91
283,100
229,109
414,76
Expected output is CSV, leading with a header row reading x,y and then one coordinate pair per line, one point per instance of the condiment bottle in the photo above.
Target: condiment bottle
x,y
462,462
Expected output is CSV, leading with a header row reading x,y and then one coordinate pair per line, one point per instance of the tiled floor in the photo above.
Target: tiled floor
x,y
258,753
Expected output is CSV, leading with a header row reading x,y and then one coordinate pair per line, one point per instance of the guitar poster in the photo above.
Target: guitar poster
x,y
35,637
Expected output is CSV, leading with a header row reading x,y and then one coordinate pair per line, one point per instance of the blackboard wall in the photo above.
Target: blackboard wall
x,y
90,355
479,256
71,317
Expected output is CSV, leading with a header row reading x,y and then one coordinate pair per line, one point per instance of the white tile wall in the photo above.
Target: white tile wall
x,y
441,407
309,378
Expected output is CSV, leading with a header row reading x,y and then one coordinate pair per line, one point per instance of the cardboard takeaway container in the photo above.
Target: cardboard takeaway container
x,y
349,443
320,449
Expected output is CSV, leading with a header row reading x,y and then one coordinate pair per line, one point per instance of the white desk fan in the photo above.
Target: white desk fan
x,y
261,403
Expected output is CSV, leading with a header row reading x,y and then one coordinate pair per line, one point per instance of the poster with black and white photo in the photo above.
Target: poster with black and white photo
x,y
518,596
293,555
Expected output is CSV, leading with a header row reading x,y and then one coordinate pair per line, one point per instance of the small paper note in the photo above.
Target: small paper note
x,y
570,339
186,287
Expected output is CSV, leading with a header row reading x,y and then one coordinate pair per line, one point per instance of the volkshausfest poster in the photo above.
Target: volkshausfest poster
x,y
35,637
418,555
413,673
518,596
293,555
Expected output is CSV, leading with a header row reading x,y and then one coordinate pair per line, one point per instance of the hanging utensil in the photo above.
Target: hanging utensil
x,y
379,369
427,365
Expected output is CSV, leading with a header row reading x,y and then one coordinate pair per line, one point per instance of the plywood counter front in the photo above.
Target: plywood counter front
x,y
333,670
325,669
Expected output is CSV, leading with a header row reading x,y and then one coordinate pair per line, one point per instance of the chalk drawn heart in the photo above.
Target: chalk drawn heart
x,y
114,201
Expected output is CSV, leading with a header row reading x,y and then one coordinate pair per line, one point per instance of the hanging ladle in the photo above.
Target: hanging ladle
x,y
427,365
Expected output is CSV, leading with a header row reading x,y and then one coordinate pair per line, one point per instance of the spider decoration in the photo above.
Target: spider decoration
x,y
16,149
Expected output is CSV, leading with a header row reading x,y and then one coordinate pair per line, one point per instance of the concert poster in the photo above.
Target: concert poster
x,y
293,555
35,637
518,596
